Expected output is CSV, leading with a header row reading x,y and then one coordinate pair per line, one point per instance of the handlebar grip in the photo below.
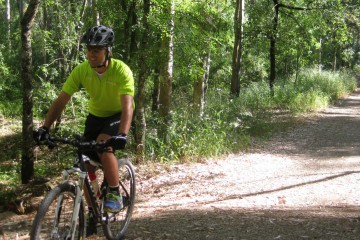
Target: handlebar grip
x,y
116,142
50,142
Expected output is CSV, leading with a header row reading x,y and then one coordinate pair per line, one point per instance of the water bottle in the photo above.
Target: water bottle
x,y
94,184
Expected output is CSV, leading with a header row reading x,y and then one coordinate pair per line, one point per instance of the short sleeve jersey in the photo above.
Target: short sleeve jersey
x,y
104,92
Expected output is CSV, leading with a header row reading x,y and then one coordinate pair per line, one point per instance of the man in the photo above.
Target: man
x,y
110,85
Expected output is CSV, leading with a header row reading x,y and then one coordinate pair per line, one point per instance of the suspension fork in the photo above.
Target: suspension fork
x,y
77,203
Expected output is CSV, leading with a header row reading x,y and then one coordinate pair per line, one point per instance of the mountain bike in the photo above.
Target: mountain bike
x,y
61,215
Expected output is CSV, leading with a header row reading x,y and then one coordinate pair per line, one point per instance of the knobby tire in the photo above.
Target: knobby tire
x,y
43,223
117,224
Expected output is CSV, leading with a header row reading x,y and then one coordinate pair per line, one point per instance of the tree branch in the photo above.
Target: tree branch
x,y
294,8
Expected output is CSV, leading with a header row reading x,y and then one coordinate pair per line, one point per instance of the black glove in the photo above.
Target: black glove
x,y
41,134
117,142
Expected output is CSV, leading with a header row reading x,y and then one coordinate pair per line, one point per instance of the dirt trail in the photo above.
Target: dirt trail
x,y
303,184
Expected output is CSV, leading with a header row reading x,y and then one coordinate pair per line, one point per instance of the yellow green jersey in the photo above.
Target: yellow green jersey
x,y
104,89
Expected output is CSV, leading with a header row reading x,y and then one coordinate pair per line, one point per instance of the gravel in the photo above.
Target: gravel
x,y
302,184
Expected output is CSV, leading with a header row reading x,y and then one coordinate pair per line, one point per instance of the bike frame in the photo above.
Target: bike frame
x,y
76,186
78,198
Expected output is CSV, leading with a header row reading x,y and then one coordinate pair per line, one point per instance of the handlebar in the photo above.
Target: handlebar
x,y
77,142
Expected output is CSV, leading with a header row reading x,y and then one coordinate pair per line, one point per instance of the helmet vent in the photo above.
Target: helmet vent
x,y
99,36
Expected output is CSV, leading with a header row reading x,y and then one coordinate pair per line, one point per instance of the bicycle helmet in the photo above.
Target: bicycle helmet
x,y
99,36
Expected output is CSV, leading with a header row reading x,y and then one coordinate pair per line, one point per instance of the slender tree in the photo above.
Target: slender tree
x,y
75,49
8,22
129,44
21,8
273,38
95,12
272,49
166,74
140,120
27,158
237,51
200,86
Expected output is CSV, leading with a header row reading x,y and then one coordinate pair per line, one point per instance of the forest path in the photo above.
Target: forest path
x,y
302,184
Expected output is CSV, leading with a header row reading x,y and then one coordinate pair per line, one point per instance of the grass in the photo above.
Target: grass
x,y
226,126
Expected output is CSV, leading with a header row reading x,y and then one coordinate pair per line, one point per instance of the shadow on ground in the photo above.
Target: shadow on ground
x,y
333,133
316,223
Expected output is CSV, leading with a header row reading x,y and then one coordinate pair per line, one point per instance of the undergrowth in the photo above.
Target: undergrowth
x,y
226,125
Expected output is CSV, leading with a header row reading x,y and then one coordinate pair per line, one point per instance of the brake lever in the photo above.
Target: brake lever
x,y
50,144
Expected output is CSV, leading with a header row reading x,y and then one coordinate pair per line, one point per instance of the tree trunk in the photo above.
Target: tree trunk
x,y
140,121
45,27
166,73
129,44
95,12
156,90
273,47
320,55
237,52
200,87
133,21
75,49
8,23
334,62
27,158
21,8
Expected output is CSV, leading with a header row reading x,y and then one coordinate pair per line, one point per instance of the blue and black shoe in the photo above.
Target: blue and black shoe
x,y
113,203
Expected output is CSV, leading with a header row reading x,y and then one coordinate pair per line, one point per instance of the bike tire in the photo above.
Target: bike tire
x,y
44,222
117,224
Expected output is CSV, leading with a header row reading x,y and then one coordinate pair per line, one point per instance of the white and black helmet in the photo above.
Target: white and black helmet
x,y
99,36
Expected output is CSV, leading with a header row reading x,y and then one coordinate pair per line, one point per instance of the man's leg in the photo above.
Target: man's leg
x,y
111,173
110,168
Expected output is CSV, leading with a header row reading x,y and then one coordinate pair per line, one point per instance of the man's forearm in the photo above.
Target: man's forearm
x,y
52,115
56,109
126,114
125,122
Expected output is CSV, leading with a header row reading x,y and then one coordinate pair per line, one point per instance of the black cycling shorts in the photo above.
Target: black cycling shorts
x,y
94,126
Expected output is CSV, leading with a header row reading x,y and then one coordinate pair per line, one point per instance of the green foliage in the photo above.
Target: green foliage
x,y
10,89
73,117
313,89
326,36
191,137
207,31
228,125
10,152
9,178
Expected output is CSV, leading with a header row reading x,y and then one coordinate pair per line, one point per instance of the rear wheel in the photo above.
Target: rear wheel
x,y
49,225
116,224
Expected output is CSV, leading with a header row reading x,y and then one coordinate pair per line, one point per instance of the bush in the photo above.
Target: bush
x,y
228,125
313,90
10,90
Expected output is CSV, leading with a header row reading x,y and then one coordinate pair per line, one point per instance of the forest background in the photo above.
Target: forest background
x,y
211,75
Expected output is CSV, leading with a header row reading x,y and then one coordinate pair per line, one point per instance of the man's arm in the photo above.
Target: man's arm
x,y
56,109
126,113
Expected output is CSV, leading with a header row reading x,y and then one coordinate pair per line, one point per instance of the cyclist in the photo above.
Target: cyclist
x,y
110,85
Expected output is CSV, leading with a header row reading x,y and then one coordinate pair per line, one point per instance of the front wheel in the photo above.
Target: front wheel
x,y
53,218
116,224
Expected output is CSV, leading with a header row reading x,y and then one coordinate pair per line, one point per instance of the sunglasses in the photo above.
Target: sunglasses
x,y
95,49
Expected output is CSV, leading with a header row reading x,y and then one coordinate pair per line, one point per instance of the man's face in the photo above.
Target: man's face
x,y
96,55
